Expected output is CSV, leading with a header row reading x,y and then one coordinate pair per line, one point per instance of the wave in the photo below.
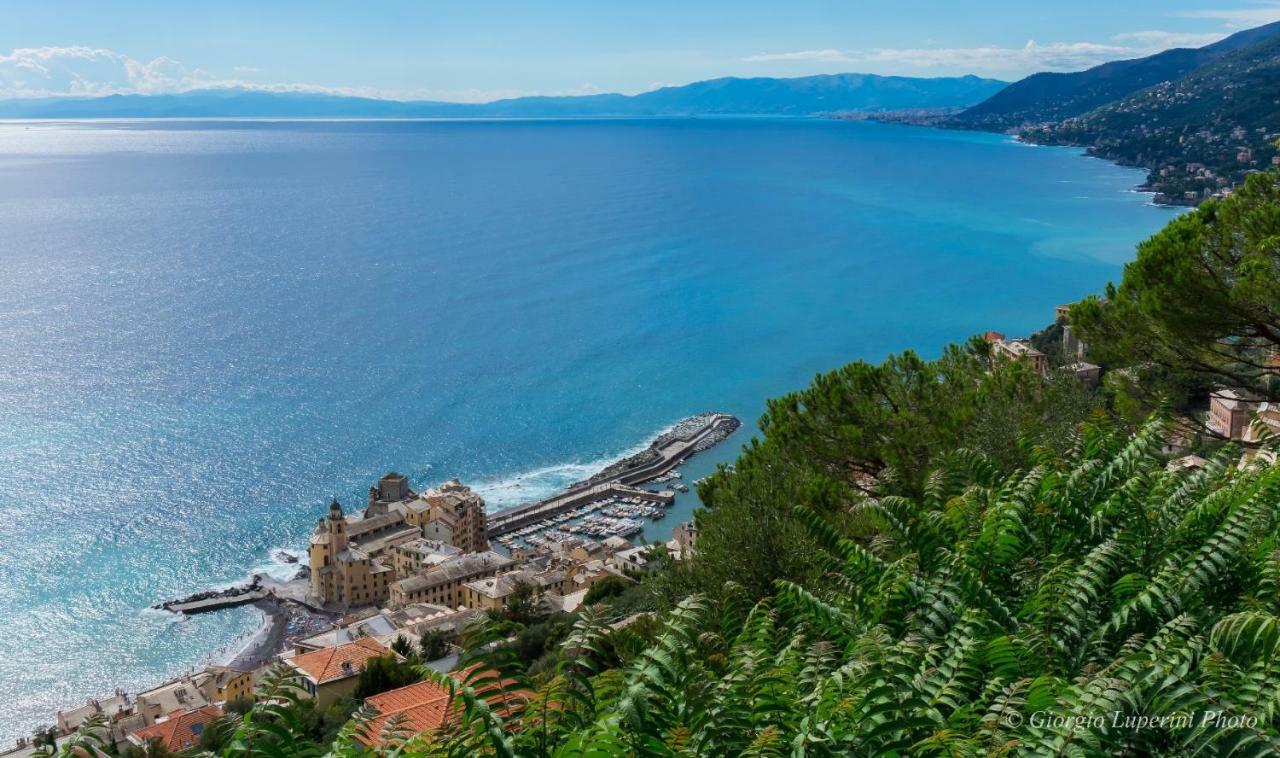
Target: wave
x,y
161,616
541,483
279,569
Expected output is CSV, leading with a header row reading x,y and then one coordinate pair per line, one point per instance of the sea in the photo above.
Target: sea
x,y
210,328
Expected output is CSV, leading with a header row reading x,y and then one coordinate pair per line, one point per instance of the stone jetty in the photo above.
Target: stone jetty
x,y
671,448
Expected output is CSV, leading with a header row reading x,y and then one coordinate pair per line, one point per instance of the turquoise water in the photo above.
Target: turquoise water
x,y
207,329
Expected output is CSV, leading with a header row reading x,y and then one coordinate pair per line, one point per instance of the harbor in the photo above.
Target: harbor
x,y
587,505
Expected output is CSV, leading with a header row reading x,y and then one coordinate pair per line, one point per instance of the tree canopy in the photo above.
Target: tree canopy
x,y
1200,304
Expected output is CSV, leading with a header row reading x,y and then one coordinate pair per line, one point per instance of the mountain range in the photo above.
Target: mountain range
x,y
1198,119
1055,96
802,96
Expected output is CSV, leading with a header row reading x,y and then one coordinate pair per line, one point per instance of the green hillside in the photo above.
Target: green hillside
x,y
1199,134
1046,97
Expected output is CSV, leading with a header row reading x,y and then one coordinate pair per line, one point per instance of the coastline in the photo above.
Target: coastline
x,y
267,617
941,121
265,643
286,613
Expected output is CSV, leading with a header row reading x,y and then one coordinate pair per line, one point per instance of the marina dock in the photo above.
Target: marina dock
x,y
668,451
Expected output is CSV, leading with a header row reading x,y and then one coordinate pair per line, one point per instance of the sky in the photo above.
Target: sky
x,y
476,51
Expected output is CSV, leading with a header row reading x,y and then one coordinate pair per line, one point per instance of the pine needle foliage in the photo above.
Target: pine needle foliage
x,y
1096,603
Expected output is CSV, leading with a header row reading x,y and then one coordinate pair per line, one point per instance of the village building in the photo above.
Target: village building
x,y
384,626
631,560
684,535
178,695
331,674
222,684
441,584
1018,350
451,513
1087,374
213,685
491,593
575,549
1187,463
615,544
117,705
419,708
354,561
177,731
117,709
1265,423
342,574
391,488
422,553
1230,411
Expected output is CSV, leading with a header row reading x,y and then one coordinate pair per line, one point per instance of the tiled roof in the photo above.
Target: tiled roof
x,y
455,568
181,730
424,706
326,665
421,707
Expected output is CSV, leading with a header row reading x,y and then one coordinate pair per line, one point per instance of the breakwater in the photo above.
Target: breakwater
x,y
668,450
213,600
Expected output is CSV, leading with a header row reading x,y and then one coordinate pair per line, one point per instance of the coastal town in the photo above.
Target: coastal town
x,y
411,570
407,568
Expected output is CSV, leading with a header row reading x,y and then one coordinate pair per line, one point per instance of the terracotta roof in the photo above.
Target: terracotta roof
x,y
181,730
424,706
327,665
421,707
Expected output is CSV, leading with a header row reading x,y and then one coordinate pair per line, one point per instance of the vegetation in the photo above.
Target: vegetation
x,y
433,646
862,429
1199,119
989,613
385,673
1199,306
610,586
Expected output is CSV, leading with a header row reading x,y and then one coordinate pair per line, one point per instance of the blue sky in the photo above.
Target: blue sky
x,y
468,51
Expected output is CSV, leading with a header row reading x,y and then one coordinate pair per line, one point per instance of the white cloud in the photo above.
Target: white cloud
x,y
81,71
1055,56
1240,18
1161,40
1031,57
824,56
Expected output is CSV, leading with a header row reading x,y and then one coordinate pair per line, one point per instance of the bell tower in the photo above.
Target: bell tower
x,y
337,527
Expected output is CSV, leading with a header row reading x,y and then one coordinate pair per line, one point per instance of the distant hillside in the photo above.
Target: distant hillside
x,y
729,96
1054,96
1199,134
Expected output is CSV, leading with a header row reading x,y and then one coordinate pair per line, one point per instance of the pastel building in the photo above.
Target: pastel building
x,y
355,561
442,584
332,673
